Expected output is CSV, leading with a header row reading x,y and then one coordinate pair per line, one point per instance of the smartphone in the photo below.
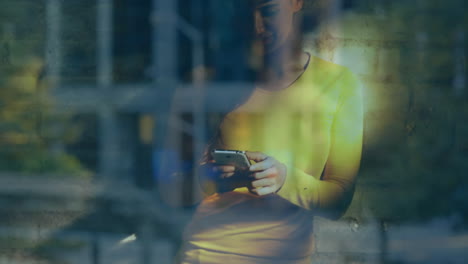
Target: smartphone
x,y
237,158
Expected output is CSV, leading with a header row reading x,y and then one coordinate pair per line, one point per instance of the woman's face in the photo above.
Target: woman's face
x,y
274,21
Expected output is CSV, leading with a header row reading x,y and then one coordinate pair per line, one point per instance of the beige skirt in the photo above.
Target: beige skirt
x,y
202,256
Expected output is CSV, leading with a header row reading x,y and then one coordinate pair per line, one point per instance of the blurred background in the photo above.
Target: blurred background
x,y
86,88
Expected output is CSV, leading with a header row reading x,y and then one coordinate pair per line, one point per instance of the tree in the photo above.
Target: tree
x,y
29,126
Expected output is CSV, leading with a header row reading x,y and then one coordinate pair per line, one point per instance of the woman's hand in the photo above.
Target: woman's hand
x,y
225,177
223,171
268,173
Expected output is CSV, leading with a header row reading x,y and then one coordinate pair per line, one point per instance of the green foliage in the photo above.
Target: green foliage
x,y
30,129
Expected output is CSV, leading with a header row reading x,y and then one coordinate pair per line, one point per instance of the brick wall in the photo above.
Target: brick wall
x,y
404,54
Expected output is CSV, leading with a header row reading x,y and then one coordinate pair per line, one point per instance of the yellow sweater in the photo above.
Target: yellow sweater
x,y
315,128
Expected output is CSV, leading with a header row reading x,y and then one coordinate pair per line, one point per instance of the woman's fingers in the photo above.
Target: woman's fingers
x,y
270,172
265,164
267,182
255,156
225,171
224,168
226,175
263,183
265,190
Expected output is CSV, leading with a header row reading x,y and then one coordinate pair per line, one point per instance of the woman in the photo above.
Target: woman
x,y
302,128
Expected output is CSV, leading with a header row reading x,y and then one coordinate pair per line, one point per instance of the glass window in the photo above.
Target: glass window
x,y
78,37
132,41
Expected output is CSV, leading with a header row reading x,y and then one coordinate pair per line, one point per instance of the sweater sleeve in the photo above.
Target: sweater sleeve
x,y
333,191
